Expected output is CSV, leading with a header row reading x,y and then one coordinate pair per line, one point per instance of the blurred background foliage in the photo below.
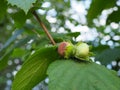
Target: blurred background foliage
x,y
96,22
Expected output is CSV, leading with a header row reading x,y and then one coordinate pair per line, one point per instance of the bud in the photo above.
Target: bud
x,y
81,51
65,49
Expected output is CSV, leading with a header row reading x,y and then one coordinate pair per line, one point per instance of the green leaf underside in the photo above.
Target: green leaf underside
x,y
34,69
23,4
70,75
108,55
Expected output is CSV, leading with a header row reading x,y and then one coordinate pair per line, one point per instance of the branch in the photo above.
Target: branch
x,y
44,27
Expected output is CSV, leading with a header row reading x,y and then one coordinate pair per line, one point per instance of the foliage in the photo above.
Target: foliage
x,y
25,5
97,6
81,76
108,55
21,35
34,69
113,17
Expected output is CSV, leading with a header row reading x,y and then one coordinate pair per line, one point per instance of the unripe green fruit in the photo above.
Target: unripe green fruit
x,y
65,49
81,51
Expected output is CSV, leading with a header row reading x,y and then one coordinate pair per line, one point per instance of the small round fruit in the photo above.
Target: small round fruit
x,y
65,49
82,50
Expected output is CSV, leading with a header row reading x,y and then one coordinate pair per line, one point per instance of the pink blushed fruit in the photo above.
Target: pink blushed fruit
x,y
65,49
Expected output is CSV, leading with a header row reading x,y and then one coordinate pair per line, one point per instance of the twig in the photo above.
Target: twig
x,y
36,33
44,28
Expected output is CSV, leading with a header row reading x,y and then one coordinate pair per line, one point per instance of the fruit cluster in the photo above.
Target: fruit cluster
x,y
79,51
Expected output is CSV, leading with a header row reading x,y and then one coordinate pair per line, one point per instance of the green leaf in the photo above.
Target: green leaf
x,y
99,49
108,55
71,75
114,17
23,4
58,37
4,59
73,34
23,41
19,18
3,8
97,6
18,52
11,39
34,69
